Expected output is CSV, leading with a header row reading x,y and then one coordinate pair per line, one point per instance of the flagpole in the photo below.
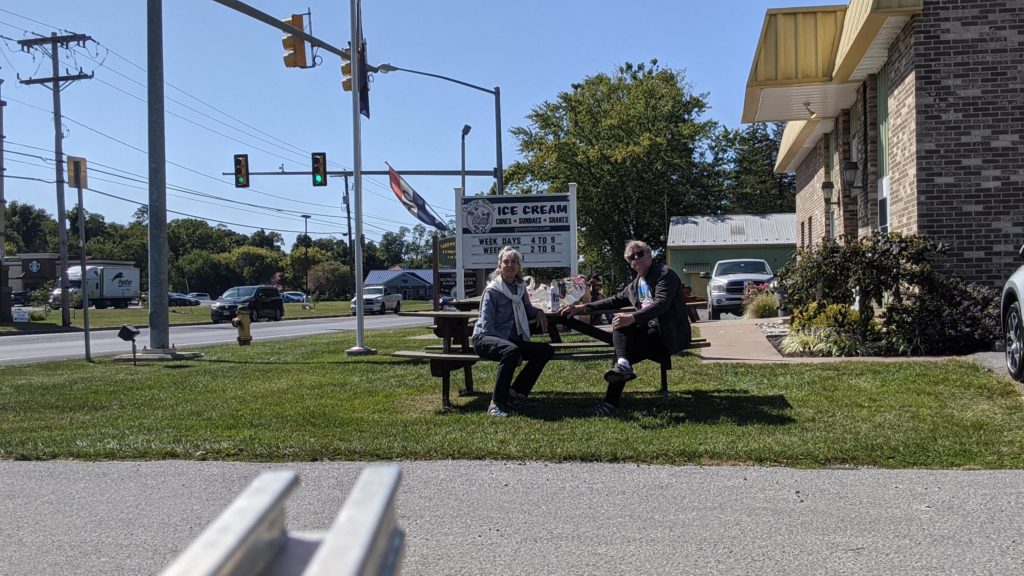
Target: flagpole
x,y
360,348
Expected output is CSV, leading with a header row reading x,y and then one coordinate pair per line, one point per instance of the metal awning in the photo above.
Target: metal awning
x,y
810,61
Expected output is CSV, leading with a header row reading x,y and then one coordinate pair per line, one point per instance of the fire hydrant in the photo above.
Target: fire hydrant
x,y
242,322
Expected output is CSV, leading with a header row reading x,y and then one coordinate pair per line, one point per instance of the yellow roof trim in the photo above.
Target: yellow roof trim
x,y
797,47
864,19
805,55
799,139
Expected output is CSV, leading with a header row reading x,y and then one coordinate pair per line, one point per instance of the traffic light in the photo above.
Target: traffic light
x,y
294,46
319,169
346,69
241,170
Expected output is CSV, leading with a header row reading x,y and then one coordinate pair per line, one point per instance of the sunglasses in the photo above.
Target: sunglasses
x,y
635,255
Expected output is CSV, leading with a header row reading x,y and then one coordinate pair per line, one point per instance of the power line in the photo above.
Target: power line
x,y
141,179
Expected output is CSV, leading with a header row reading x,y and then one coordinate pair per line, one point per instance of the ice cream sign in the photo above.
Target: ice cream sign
x,y
541,226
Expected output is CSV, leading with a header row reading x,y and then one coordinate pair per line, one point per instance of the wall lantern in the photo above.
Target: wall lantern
x,y
849,173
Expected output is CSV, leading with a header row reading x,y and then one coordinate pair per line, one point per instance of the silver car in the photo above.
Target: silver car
x,y
1013,325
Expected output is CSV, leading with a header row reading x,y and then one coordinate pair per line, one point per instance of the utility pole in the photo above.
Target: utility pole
x,y
57,42
305,255
5,290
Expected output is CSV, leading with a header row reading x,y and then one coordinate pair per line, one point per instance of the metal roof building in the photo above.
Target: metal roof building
x,y
695,243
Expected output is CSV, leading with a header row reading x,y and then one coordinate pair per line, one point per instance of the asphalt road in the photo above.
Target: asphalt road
x,y
31,348
470,517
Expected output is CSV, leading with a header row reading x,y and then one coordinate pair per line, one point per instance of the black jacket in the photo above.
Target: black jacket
x,y
669,306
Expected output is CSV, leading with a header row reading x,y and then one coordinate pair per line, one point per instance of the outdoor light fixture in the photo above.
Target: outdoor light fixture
x,y
849,173
128,334
827,189
465,130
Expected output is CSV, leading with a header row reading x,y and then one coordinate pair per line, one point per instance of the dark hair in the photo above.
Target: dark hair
x,y
595,277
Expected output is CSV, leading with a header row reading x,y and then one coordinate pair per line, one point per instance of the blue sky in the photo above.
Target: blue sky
x,y
228,92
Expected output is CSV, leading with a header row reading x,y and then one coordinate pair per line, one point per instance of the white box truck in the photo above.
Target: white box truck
x,y
106,286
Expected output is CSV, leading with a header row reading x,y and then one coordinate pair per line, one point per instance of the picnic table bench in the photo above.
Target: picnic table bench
x,y
455,351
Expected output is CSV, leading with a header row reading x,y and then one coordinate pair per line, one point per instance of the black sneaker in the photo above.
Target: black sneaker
x,y
517,402
497,410
603,409
619,374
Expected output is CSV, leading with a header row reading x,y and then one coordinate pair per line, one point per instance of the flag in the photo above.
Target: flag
x,y
412,201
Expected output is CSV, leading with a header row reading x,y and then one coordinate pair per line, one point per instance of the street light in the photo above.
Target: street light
x,y
465,130
498,172
305,256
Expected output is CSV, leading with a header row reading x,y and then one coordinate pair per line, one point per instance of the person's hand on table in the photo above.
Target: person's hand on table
x,y
622,320
568,311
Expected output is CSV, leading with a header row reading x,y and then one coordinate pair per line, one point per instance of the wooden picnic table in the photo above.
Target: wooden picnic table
x,y
449,326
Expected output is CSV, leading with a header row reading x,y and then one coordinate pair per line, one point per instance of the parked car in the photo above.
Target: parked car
x,y
179,299
201,296
262,302
294,296
728,280
379,299
1013,322
21,297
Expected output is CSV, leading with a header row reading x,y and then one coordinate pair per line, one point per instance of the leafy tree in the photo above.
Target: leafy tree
x,y
338,249
330,281
298,261
392,247
30,229
751,185
95,227
121,242
255,265
270,240
186,235
141,215
200,271
635,144
371,258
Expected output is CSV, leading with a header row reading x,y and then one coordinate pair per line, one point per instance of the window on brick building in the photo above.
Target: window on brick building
x,y
883,149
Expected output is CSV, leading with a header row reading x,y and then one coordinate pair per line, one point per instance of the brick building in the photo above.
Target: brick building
x,y
909,114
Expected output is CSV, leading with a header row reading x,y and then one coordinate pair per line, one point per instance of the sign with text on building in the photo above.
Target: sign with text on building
x,y
541,226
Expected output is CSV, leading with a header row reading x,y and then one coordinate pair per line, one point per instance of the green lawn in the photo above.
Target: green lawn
x,y
305,400
113,318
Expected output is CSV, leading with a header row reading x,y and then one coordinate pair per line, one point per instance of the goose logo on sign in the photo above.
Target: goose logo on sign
x,y
479,216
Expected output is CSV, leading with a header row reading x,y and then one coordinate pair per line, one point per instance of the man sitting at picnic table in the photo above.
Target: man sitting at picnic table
x,y
659,326
502,333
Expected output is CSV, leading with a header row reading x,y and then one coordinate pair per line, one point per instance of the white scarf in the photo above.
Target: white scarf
x,y
518,308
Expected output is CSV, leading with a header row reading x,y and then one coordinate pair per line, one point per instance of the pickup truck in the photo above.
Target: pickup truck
x,y
727,282
379,299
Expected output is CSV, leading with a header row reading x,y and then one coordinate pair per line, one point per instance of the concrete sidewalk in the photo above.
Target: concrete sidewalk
x,y
472,517
741,340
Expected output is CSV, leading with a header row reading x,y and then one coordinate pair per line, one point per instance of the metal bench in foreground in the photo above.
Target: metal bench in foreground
x,y
249,537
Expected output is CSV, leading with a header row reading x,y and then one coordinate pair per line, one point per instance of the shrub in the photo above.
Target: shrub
x,y
831,330
37,315
765,305
754,289
926,311
945,316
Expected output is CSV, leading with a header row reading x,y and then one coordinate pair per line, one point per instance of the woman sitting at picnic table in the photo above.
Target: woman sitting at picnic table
x,y
502,333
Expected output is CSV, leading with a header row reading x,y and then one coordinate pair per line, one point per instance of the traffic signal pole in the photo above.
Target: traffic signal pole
x,y
360,349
